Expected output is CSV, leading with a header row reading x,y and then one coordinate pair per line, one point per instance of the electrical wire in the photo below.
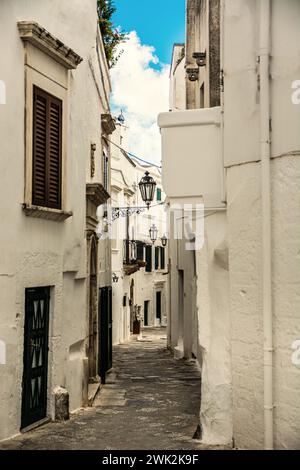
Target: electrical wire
x,y
132,155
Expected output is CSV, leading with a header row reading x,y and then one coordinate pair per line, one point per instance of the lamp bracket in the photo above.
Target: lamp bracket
x,y
118,212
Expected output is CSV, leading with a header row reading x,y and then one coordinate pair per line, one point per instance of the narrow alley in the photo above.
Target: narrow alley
x,y
150,401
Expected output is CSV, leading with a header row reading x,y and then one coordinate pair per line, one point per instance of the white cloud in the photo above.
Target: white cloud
x,y
142,93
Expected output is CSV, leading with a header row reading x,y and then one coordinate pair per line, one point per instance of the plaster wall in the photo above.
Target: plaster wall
x,y
214,332
37,252
177,100
244,222
230,329
241,151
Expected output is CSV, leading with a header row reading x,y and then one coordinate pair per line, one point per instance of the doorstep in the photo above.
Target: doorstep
x,y
93,390
35,425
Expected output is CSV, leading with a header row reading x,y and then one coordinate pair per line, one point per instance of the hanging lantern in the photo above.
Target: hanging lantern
x,y
153,233
147,187
164,240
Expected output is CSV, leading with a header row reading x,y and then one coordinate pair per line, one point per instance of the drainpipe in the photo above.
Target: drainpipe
x,y
223,169
265,147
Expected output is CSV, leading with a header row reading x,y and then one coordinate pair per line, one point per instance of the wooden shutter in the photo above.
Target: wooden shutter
x,y
140,251
54,169
148,258
39,148
47,149
105,171
158,194
162,257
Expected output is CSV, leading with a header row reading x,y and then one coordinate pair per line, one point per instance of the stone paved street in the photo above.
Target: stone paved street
x,y
151,401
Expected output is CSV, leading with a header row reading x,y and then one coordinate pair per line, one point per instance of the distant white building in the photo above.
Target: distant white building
x,y
139,267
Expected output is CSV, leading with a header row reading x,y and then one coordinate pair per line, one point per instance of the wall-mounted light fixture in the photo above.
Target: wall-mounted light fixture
x,y
164,240
153,231
115,277
193,74
147,187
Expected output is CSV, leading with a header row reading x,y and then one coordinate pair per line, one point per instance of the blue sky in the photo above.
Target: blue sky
x,y
140,79
159,23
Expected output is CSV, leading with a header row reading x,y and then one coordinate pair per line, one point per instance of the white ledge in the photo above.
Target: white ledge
x,y
191,117
32,32
46,213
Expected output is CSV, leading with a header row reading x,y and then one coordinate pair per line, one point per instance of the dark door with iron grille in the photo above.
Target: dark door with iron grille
x,y
105,337
36,330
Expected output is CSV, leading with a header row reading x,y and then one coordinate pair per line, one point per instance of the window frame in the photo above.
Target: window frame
x,y
43,72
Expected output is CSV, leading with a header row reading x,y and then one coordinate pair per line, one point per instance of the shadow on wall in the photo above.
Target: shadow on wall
x,y
2,92
2,353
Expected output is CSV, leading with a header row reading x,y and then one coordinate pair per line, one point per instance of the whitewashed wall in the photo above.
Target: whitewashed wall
x,y
230,319
244,220
37,252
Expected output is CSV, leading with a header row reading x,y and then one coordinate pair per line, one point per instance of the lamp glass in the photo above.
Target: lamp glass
x,y
153,231
147,187
164,240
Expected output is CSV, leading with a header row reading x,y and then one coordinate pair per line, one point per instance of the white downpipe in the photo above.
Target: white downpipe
x,y
222,40
265,146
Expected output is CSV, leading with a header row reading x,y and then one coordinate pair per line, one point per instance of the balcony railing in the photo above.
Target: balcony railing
x,y
133,258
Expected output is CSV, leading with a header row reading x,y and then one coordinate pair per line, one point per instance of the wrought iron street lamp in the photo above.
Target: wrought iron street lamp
x,y
147,187
164,240
153,233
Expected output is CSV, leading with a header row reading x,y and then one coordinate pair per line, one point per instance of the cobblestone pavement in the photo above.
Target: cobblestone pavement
x,y
151,401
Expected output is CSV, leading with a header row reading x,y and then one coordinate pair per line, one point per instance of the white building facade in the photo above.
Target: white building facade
x,y
52,181
140,268
234,146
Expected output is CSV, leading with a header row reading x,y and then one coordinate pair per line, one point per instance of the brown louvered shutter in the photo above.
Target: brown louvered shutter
x,y
47,150
39,148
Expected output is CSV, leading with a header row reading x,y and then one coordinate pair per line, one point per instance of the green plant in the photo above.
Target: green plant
x,y
111,35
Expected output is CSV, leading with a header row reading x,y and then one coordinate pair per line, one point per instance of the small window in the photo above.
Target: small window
x,y
157,257
148,259
158,194
105,171
47,150
162,257
140,251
